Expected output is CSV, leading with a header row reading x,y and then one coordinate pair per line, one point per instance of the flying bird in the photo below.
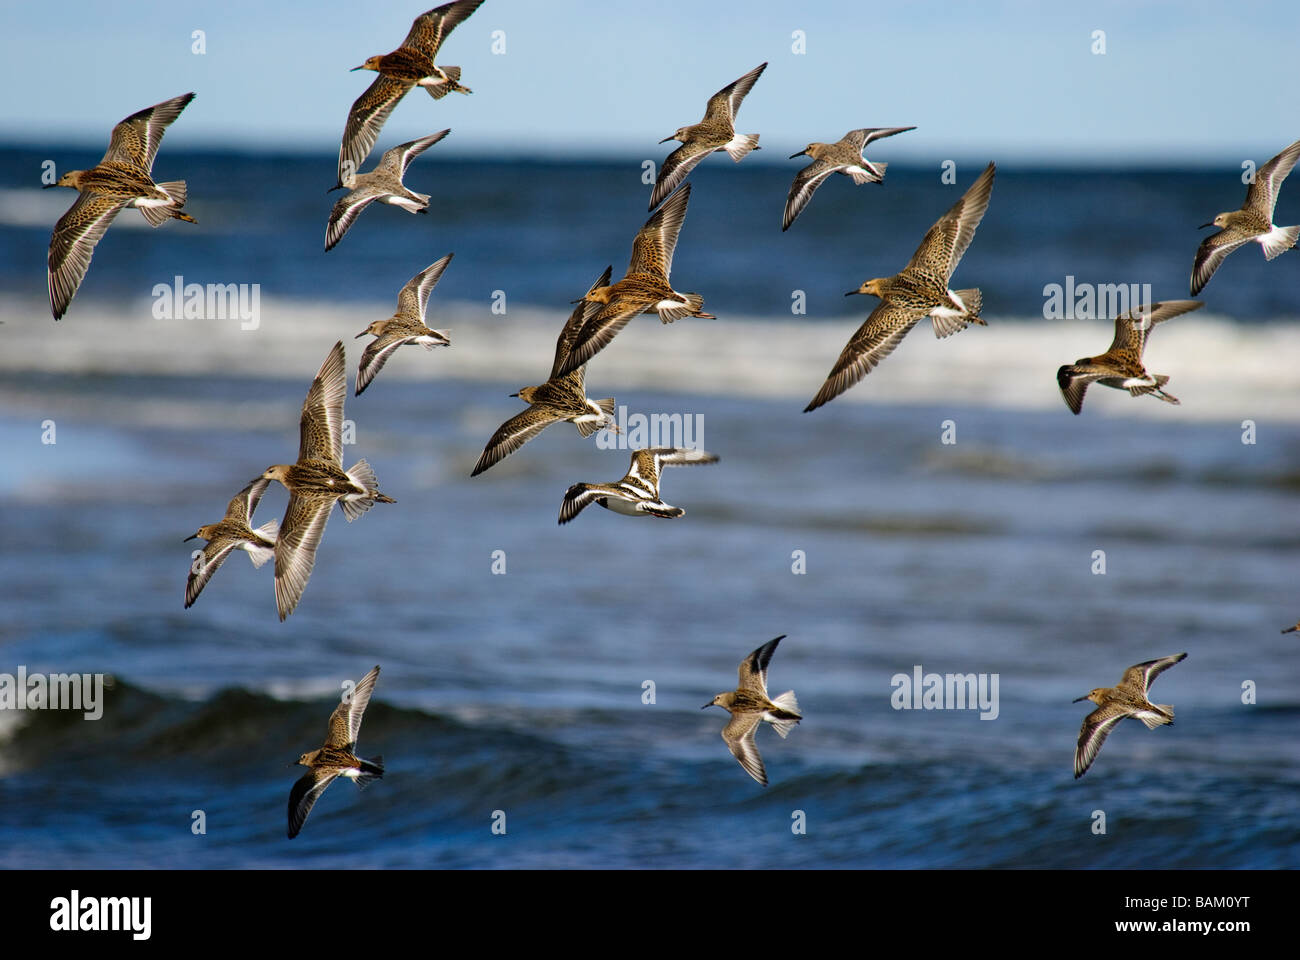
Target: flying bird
x,y
123,178
1128,698
1254,221
231,533
919,290
748,705
337,758
383,183
410,65
845,157
1121,366
717,131
405,326
637,494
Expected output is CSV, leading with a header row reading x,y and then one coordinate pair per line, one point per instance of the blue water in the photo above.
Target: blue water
x,y
522,692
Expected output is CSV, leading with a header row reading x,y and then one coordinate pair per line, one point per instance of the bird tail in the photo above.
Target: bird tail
x,y
363,476
156,216
1153,721
789,715
861,178
370,770
740,145
694,308
258,553
586,427
1280,241
453,83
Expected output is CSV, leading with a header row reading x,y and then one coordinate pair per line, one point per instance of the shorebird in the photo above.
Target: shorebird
x,y
559,399
919,290
317,481
232,533
123,178
644,289
845,157
1121,366
383,183
337,758
1126,699
410,65
637,494
1254,221
749,704
405,326
717,131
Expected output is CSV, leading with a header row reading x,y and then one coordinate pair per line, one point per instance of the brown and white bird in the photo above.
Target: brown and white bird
x,y
1121,366
919,290
337,758
405,326
559,399
637,494
717,131
383,183
229,534
123,178
410,65
845,157
1128,698
317,481
1254,221
644,289
749,705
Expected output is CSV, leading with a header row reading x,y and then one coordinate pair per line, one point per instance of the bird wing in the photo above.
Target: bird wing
x,y
805,183
674,169
295,549
135,140
1142,675
725,104
1134,328
753,669
739,734
73,244
1211,252
214,555
376,355
413,299
396,160
578,497
345,212
945,242
321,427
1261,195
366,118
306,791
242,505
874,340
430,28
652,250
513,434
1096,728
1074,379
582,312
345,721
603,327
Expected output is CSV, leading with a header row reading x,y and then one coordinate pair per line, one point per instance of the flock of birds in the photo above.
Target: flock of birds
x,y
316,481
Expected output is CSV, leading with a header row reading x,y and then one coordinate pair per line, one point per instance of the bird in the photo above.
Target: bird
x,y
1254,221
231,533
1292,629
410,65
717,131
1121,366
337,758
559,399
123,178
383,183
844,157
748,704
644,289
919,290
405,326
637,494
1128,698
317,481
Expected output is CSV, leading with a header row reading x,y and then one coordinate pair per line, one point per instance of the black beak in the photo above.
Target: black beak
x,y
852,292
1080,698
799,154
188,539
707,705
361,334
1204,225
666,139
355,69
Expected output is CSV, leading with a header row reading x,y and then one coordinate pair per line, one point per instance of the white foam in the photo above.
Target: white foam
x,y
1222,371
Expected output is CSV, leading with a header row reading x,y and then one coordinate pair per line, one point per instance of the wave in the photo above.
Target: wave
x,y
1222,370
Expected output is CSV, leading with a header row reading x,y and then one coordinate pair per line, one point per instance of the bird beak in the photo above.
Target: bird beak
x,y
361,334
48,185
666,139
514,394
337,186
355,69
1204,225
188,539
707,705
799,154
852,292
1084,697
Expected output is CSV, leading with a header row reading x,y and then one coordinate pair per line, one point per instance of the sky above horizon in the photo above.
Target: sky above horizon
x,y
1012,81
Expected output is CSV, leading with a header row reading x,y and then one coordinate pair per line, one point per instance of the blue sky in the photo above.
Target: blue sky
x,y
1179,82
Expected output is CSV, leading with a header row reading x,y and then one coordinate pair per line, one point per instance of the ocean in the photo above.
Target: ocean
x,y
947,515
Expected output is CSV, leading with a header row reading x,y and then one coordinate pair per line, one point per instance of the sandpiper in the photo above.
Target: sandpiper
x,y
749,704
559,399
637,494
410,65
845,156
644,289
405,326
1254,221
1128,698
123,178
919,290
337,758
317,481
1121,366
383,183
232,533
717,131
